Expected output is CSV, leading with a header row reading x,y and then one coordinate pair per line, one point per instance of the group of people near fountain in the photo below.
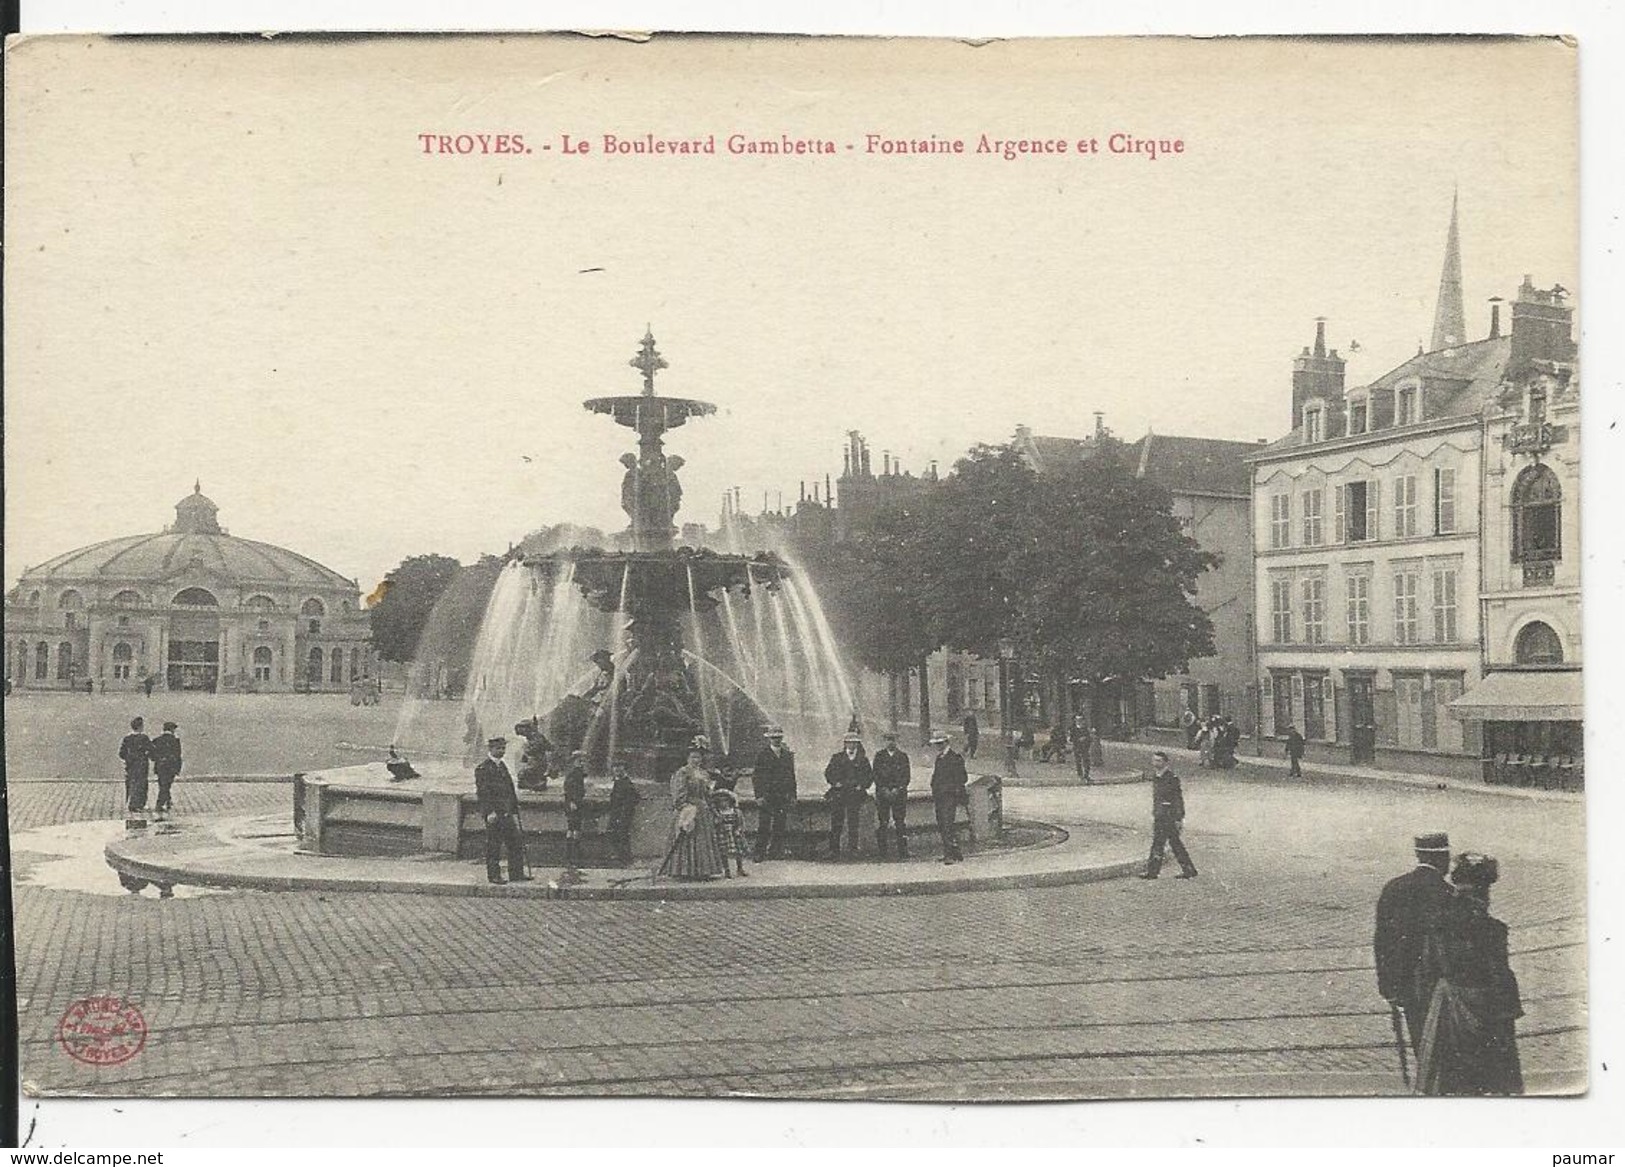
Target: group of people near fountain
x,y
707,833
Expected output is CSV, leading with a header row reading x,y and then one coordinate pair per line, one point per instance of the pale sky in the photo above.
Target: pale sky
x,y
232,262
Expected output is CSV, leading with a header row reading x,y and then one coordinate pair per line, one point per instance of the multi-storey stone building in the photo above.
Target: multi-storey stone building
x,y
1414,552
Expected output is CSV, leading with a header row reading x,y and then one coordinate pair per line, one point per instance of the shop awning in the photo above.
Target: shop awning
x,y
1523,697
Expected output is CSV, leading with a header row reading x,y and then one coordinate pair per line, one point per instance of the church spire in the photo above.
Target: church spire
x,y
1449,318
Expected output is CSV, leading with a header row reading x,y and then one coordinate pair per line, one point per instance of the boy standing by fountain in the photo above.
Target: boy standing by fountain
x,y
575,804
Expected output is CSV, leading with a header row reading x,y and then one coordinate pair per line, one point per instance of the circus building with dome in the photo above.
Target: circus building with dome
x,y
191,607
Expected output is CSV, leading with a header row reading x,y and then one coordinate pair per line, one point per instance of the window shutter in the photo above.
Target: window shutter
x,y
1269,704
1373,509
1328,705
1438,502
1340,535
1297,697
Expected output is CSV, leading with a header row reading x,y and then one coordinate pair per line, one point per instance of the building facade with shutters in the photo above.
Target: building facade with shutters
x,y
191,607
1412,544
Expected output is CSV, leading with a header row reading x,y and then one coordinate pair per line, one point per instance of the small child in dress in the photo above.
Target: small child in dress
x,y
730,823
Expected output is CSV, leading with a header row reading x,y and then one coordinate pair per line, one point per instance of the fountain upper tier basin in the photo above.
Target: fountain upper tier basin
x,y
681,579
645,411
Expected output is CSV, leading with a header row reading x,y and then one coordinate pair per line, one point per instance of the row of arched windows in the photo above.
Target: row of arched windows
x,y
334,666
71,600
17,660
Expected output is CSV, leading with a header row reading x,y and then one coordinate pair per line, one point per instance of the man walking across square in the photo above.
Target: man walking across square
x,y
136,752
1294,751
1167,818
166,764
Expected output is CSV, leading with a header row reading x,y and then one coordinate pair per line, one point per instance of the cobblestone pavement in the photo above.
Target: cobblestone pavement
x,y
1254,978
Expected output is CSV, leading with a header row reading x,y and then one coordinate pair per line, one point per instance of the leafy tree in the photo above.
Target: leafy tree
x,y
1109,577
403,603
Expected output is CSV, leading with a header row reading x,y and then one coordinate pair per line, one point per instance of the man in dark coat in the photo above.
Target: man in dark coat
x,y
1083,748
623,802
499,806
1412,907
575,807
1167,819
774,781
973,734
1294,751
136,751
948,782
166,764
891,769
849,776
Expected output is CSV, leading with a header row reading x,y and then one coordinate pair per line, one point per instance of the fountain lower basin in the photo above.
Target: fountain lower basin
x,y
361,811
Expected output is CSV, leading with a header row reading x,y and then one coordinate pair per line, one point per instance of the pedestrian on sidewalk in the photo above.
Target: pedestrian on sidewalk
x,y
1167,820
1294,751
891,770
973,734
1192,727
948,782
1204,742
136,752
166,764
1083,748
499,807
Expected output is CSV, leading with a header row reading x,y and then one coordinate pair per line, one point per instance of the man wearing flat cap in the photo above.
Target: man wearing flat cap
x,y
849,776
774,782
166,764
499,806
1410,908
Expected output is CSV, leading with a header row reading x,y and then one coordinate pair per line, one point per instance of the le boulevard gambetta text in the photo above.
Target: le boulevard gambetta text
x,y
878,145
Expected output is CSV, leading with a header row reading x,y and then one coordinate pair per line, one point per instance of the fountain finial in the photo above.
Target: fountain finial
x,y
648,361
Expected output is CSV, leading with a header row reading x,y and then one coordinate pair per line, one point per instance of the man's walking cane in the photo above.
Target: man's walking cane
x,y
1399,1043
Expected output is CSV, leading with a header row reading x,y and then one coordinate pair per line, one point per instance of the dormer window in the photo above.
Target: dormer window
x,y
1313,428
1405,406
1359,415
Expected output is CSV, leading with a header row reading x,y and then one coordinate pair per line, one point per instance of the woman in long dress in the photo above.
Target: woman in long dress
x,y
691,845
1469,1046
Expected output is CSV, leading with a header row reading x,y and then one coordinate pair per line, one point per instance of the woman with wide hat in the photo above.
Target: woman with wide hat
x,y
692,851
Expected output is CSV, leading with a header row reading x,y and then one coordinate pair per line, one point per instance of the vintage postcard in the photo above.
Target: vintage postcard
x,y
819,568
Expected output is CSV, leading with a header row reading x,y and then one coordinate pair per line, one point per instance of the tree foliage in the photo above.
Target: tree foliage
x,y
405,600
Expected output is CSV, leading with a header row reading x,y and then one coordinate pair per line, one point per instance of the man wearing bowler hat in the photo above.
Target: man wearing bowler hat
x,y
499,806
166,764
774,782
1411,907
849,776
948,783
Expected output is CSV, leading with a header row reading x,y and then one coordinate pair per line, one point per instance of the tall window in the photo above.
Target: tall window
x,y
1444,605
313,667
1444,501
1311,518
1405,406
336,672
1447,734
1314,610
1537,645
1404,506
1359,415
1313,429
1537,511
64,661
123,657
1359,609
1356,512
262,663
1405,608
1408,696
1281,610
42,661
1280,520
1282,700
355,671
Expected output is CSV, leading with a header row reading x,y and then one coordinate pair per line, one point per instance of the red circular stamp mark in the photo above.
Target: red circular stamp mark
x,y
102,1031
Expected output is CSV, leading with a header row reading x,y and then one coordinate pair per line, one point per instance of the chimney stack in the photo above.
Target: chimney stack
x,y
1318,374
1100,424
1495,317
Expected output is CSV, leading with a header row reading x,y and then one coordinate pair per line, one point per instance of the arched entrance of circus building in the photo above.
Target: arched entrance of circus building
x,y
193,658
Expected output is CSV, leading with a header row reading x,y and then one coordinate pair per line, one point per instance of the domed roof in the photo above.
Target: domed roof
x,y
195,540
